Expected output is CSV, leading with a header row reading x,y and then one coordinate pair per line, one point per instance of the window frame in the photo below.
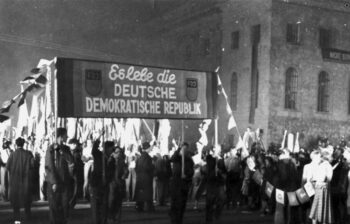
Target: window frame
x,y
291,89
293,33
323,92
234,91
324,37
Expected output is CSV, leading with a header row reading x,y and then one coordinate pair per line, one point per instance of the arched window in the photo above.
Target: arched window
x,y
233,97
291,89
323,92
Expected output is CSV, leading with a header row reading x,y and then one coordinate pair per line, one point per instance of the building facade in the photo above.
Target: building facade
x,y
285,64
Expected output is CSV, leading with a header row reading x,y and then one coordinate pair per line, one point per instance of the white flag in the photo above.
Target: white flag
x,y
309,188
241,145
22,117
296,146
231,123
290,142
280,196
284,139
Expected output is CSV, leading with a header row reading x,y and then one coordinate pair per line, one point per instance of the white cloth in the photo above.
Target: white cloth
x,y
323,173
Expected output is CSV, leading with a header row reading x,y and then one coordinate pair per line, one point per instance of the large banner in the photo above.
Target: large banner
x,y
103,89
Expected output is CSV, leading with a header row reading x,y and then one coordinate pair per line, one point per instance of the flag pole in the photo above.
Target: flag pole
x,y
183,131
103,153
56,101
216,135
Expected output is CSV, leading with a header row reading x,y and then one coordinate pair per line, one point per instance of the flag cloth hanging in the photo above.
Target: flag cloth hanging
x,y
296,145
284,139
38,79
6,106
22,97
279,196
22,117
290,142
3,118
41,127
163,136
231,123
309,188
302,195
269,189
34,113
292,199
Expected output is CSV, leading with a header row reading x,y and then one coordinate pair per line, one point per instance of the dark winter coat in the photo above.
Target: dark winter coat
x,y
20,166
144,178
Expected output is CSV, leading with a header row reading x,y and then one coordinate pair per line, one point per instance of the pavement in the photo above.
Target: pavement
x,y
82,214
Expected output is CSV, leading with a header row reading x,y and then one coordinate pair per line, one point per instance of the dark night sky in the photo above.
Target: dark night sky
x,y
91,29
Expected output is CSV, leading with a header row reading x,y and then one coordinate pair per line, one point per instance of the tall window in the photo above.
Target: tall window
x,y
324,39
293,33
323,92
234,85
205,46
291,89
235,40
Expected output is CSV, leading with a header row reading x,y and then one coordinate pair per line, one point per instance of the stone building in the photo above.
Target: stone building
x,y
284,63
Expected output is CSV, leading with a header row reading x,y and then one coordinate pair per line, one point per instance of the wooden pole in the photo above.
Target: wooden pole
x,y
182,131
103,153
55,101
216,135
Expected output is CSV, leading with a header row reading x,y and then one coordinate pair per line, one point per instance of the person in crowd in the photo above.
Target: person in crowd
x,y
34,149
88,160
20,166
250,189
76,151
4,155
339,185
267,204
199,180
307,176
131,155
180,182
116,182
321,210
163,174
99,175
144,179
233,181
287,181
59,166
216,179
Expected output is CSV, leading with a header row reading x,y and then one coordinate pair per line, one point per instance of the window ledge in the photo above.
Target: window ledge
x,y
289,112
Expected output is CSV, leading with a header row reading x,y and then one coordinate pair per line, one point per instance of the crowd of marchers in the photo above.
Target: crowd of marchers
x,y
106,175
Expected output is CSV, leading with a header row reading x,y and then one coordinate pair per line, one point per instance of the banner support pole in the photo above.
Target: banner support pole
x,y
56,101
216,136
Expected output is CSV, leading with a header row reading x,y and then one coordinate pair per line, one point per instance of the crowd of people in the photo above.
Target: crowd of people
x,y
106,175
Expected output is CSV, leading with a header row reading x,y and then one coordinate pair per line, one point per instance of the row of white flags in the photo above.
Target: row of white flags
x,y
38,120
292,143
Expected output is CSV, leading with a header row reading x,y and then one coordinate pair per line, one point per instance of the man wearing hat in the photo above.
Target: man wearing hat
x,y
339,185
216,178
20,166
144,179
180,183
59,165
76,151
